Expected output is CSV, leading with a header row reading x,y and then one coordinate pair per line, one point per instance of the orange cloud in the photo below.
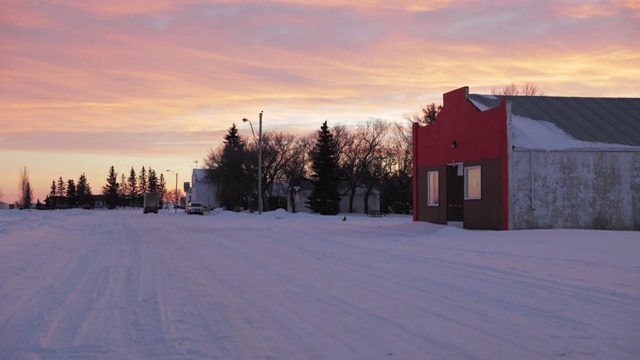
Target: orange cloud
x,y
598,9
159,77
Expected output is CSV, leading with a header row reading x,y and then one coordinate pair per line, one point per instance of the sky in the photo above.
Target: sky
x,y
85,85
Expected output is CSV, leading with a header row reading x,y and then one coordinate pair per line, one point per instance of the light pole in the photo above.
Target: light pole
x,y
175,203
259,159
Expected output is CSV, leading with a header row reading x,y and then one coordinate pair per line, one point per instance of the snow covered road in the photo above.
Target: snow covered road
x,y
124,285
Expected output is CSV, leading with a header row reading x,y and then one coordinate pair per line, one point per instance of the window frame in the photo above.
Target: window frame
x,y
433,175
467,196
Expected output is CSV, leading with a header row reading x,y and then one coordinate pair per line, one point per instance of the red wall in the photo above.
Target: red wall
x,y
479,135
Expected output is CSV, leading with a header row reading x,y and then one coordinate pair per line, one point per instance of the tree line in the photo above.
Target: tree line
x,y
77,194
337,161
127,192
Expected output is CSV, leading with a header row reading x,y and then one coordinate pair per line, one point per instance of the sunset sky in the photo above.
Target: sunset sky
x,y
85,85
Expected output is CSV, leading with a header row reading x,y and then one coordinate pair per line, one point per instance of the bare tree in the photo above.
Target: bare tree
x,y
360,150
299,164
426,116
123,188
379,168
173,196
528,89
26,193
277,151
396,185
342,138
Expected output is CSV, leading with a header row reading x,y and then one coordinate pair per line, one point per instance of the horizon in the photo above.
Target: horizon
x,y
86,85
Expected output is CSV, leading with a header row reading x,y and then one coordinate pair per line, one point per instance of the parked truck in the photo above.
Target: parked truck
x,y
151,202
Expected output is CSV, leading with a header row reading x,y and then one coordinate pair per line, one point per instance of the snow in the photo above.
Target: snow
x,y
125,285
537,134
540,134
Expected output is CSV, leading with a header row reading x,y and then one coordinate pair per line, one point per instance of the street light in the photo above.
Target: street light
x,y
259,159
175,203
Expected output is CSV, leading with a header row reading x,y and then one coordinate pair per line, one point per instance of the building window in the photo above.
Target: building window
x,y
472,183
433,192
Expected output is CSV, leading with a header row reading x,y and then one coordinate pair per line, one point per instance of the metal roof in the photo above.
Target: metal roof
x,y
604,120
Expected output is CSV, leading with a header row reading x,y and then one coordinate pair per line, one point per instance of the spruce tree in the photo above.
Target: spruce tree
x,y
53,188
162,189
83,192
324,197
27,196
71,188
143,182
71,192
133,187
153,181
233,183
110,190
60,188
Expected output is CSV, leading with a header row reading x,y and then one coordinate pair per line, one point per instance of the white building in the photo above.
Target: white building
x,y
202,190
306,187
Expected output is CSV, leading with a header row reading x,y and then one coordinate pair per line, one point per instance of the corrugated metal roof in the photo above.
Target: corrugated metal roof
x,y
604,120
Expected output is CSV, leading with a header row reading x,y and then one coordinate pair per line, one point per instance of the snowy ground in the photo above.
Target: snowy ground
x,y
124,285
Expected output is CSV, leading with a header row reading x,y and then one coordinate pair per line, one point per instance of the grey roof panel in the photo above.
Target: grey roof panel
x,y
604,120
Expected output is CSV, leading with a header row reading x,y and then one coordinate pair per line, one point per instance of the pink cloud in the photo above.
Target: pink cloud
x,y
111,69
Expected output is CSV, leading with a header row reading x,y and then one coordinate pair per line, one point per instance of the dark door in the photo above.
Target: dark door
x,y
455,194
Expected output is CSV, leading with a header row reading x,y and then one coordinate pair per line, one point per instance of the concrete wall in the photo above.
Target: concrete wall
x,y
574,189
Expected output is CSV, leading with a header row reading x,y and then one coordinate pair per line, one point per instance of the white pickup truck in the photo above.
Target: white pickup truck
x,y
195,208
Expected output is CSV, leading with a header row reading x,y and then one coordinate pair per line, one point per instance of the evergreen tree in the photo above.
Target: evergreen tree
x,y
71,192
110,190
133,187
143,182
27,199
53,188
83,192
162,189
324,197
229,172
152,181
71,188
60,188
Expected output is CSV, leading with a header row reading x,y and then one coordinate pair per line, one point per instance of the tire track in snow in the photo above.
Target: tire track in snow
x,y
518,304
201,287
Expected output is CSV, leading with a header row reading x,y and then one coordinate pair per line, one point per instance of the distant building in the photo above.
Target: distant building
x,y
525,162
305,187
58,202
202,190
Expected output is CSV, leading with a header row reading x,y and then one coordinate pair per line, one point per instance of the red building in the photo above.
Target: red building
x,y
515,162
